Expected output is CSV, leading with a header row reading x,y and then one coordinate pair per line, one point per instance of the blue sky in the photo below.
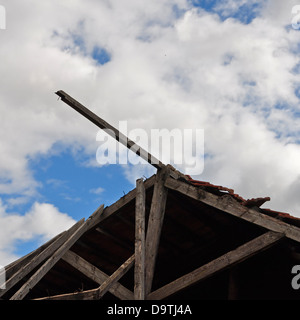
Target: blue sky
x,y
75,188
244,11
229,67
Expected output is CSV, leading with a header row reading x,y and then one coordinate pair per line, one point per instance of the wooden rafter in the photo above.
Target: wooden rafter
x,y
40,273
19,264
96,275
46,253
98,293
155,223
231,206
229,259
130,196
139,270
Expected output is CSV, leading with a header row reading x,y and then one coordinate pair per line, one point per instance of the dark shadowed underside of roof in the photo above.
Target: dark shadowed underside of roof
x,y
250,203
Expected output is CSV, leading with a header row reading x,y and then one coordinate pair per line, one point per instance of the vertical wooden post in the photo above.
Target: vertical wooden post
x,y
139,269
155,223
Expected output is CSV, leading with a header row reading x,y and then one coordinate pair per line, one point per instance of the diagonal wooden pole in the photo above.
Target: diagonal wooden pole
x,y
96,275
112,131
227,260
98,293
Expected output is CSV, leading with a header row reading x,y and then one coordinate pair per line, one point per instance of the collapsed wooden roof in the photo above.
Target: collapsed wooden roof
x,y
170,237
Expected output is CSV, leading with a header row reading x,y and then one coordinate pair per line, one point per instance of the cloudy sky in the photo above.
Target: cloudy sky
x,y
229,67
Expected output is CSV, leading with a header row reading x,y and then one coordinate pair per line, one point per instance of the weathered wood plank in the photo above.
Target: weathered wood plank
x,y
37,276
36,260
96,275
112,131
233,207
139,270
241,253
156,216
96,294
130,196
16,265
116,276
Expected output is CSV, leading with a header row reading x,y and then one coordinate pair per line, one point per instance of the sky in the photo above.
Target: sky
x,y
228,67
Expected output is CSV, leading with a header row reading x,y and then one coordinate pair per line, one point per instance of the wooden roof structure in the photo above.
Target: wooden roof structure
x,y
170,238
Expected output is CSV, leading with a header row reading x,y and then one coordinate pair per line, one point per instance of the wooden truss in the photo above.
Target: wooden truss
x,y
143,259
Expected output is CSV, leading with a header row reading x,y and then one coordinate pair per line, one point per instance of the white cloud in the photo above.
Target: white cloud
x,y
97,190
278,12
171,67
132,173
42,222
231,7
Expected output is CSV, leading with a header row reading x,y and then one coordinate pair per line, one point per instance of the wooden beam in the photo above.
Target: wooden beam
x,y
39,274
115,277
130,196
36,260
227,204
229,259
96,275
156,216
112,131
96,294
16,265
139,270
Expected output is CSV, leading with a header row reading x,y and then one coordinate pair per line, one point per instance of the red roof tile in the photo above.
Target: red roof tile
x,y
250,203
256,202
211,187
